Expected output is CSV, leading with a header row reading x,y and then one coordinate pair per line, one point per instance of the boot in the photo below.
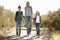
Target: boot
x,y
38,35
17,33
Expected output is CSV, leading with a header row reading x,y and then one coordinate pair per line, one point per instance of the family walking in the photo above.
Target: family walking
x,y
28,18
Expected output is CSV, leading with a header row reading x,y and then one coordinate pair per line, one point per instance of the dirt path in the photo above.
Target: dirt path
x,y
43,35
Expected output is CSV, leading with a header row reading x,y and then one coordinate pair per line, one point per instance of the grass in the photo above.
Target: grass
x,y
56,36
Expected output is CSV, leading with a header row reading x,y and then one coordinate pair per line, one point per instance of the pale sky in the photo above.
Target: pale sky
x,y
43,6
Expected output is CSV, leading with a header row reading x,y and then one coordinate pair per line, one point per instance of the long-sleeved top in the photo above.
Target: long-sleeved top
x,y
28,11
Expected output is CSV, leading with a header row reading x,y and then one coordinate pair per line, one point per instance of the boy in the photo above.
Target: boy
x,y
18,19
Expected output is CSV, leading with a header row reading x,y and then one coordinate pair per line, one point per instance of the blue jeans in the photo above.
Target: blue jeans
x,y
18,26
38,28
28,24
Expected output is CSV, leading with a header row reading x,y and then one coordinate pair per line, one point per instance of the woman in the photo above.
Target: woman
x,y
28,15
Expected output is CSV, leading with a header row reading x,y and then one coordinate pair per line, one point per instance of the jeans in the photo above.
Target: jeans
x,y
28,24
18,26
38,28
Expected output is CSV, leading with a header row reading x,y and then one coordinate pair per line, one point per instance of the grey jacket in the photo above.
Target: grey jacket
x,y
28,11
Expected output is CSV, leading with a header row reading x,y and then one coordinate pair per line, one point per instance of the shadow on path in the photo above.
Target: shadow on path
x,y
13,37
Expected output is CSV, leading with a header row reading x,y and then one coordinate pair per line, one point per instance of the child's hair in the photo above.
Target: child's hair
x,y
19,6
37,13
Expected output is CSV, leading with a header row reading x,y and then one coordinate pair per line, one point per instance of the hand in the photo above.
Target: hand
x,y
23,16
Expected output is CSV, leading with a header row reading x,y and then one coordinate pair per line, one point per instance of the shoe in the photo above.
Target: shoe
x,y
28,35
38,35
17,33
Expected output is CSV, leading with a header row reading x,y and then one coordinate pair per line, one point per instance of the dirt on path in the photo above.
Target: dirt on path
x,y
32,36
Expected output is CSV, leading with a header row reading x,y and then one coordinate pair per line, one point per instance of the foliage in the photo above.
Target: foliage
x,y
6,18
7,21
52,20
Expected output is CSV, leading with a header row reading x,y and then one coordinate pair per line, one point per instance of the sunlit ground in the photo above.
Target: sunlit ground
x,y
53,36
56,36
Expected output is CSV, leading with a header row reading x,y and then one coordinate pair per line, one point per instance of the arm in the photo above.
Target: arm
x,y
22,14
40,19
25,10
15,16
31,10
34,19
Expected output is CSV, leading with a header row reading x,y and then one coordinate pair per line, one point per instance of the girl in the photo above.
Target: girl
x,y
37,21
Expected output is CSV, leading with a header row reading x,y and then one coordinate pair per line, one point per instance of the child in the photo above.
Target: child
x,y
37,21
18,19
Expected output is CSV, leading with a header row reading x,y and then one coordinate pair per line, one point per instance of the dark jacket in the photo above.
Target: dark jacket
x,y
35,19
18,16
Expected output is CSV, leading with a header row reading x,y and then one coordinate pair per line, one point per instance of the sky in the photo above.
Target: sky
x,y
43,6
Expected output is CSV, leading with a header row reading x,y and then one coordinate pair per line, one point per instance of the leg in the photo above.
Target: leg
x,y
39,28
16,27
27,24
38,31
30,24
20,23
17,31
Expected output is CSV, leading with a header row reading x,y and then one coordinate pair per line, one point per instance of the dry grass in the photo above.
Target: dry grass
x,y
56,36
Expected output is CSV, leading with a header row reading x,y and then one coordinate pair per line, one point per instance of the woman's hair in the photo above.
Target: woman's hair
x,y
27,3
37,13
